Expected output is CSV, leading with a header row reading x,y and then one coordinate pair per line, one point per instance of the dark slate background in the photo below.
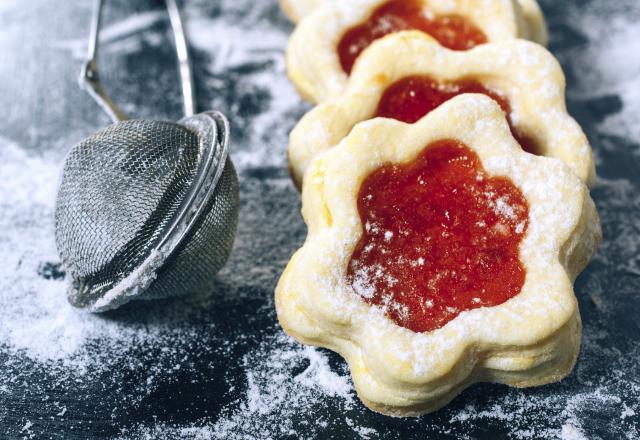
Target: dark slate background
x,y
44,112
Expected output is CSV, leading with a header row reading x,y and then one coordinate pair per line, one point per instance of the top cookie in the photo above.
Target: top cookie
x,y
296,10
324,47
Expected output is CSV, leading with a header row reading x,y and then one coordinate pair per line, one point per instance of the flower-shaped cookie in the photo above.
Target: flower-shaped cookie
x,y
439,254
296,10
408,74
324,47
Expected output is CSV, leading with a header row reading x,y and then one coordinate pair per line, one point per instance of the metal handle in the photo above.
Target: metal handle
x,y
182,50
90,79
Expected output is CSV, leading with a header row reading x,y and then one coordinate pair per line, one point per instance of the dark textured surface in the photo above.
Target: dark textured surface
x,y
183,368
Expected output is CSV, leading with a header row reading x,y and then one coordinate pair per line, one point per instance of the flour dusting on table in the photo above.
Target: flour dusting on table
x,y
219,366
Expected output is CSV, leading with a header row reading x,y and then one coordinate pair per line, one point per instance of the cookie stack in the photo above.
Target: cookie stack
x,y
446,193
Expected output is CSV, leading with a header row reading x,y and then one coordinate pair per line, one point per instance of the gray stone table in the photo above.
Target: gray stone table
x,y
219,366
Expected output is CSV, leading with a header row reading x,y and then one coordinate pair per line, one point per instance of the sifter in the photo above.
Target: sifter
x,y
146,208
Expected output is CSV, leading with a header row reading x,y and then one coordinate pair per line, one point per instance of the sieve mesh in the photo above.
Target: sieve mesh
x,y
207,248
122,191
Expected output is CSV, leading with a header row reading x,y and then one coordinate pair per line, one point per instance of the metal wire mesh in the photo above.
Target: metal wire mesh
x,y
121,189
206,249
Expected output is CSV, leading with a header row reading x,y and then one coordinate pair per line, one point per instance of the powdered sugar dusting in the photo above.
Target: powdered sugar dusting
x,y
608,65
233,47
275,393
284,381
570,432
218,366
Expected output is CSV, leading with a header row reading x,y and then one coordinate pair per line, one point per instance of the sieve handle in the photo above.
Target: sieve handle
x,y
182,51
90,79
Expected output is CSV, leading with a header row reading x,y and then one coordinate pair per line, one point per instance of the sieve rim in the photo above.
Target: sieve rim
x,y
202,190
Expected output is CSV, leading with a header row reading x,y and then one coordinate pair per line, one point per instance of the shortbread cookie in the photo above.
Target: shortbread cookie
x,y
537,29
536,26
440,254
324,47
407,74
296,10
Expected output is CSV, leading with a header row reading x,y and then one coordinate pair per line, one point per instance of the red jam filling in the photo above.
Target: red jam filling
x,y
440,237
412,97
451,31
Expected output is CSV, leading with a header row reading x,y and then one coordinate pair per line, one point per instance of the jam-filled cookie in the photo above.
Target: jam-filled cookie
x,y
439,254
325,46
407,75
537,29
296,10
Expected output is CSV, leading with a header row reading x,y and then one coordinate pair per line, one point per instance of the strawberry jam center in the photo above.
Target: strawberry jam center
x,y
440,237
412,97
451,31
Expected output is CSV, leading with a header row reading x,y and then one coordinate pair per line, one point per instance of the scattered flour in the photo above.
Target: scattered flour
x,y
609,64
121,37
570,432
283,388
285,384
233,46
275,396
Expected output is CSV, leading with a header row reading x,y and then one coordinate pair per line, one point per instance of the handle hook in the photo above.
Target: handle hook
x,y
90,79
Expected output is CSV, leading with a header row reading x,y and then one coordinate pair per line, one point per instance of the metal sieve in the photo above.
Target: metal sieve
x,y
146,209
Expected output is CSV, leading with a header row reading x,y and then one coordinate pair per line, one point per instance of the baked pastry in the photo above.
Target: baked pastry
x,y
407,74
534,19
324,47
439,254
298,9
